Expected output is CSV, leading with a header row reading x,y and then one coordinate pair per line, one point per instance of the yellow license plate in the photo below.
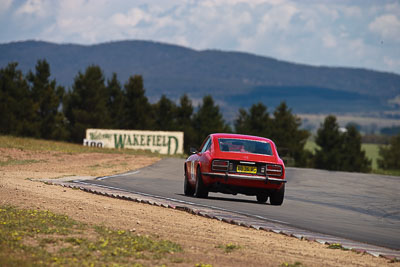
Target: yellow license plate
x,y
246,169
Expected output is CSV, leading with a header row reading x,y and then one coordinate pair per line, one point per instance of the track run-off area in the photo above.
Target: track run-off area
x,y
360,207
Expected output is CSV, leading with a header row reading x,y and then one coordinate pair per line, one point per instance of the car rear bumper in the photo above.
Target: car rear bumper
x,y
245,177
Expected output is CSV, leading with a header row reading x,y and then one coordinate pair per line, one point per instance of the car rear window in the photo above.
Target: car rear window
x,y
244,146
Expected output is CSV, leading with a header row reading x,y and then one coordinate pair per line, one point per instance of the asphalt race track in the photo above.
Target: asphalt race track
x,y
361,207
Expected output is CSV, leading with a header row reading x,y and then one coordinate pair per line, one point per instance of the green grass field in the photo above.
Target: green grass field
x,y
311,146
372,152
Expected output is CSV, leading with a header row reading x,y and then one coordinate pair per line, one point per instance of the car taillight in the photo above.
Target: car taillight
x,y
274,170
230,166
220,165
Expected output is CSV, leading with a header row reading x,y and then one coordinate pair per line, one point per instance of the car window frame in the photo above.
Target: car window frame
x,y
207,145
273,151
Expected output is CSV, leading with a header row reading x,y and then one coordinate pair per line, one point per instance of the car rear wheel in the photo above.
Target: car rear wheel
x,y
187,188
276,198
200,190
262,198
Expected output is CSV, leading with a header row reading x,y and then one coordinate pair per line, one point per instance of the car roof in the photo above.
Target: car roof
x,y
240,136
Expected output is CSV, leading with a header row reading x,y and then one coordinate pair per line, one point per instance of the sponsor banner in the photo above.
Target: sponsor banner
x,y
156,141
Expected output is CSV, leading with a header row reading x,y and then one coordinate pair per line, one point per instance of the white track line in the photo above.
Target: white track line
x,y
117,175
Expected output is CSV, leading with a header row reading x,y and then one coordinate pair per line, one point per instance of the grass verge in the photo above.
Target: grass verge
x,y
36,238
25,143
228,248
336,246
387,172
296,264
11,161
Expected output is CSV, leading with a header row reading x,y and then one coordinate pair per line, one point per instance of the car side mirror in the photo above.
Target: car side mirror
x,y
193,150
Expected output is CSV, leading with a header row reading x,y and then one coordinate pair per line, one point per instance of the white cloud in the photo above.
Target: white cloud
x,y
352,11
391,62
33,7
357,47
329,40
252,3
387,26
5,5
323,11
134,16
88,29
393,7
277,19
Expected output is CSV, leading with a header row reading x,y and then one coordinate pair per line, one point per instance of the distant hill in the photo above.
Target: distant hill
x,y
234,79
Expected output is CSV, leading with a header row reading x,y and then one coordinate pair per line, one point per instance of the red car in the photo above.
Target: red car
x,y
232,164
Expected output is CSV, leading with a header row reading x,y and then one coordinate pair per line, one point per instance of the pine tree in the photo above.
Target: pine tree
x,y
390,155
16,105
242,122
288,136
329,139
255,122
47,97
208,119
138,113
184,114
353,157
340,151
165,114
184,111
115,102
86,104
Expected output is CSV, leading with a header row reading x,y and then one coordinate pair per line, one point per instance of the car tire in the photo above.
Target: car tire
x,y
200,190
187,188
276,198
262,198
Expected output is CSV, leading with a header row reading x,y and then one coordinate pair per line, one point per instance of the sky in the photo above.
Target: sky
x,y
352,33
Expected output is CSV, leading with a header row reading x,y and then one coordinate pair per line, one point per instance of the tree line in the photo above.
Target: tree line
x,y
34,105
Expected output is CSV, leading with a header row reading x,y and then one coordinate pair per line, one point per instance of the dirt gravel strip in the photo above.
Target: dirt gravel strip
x,y
83,183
